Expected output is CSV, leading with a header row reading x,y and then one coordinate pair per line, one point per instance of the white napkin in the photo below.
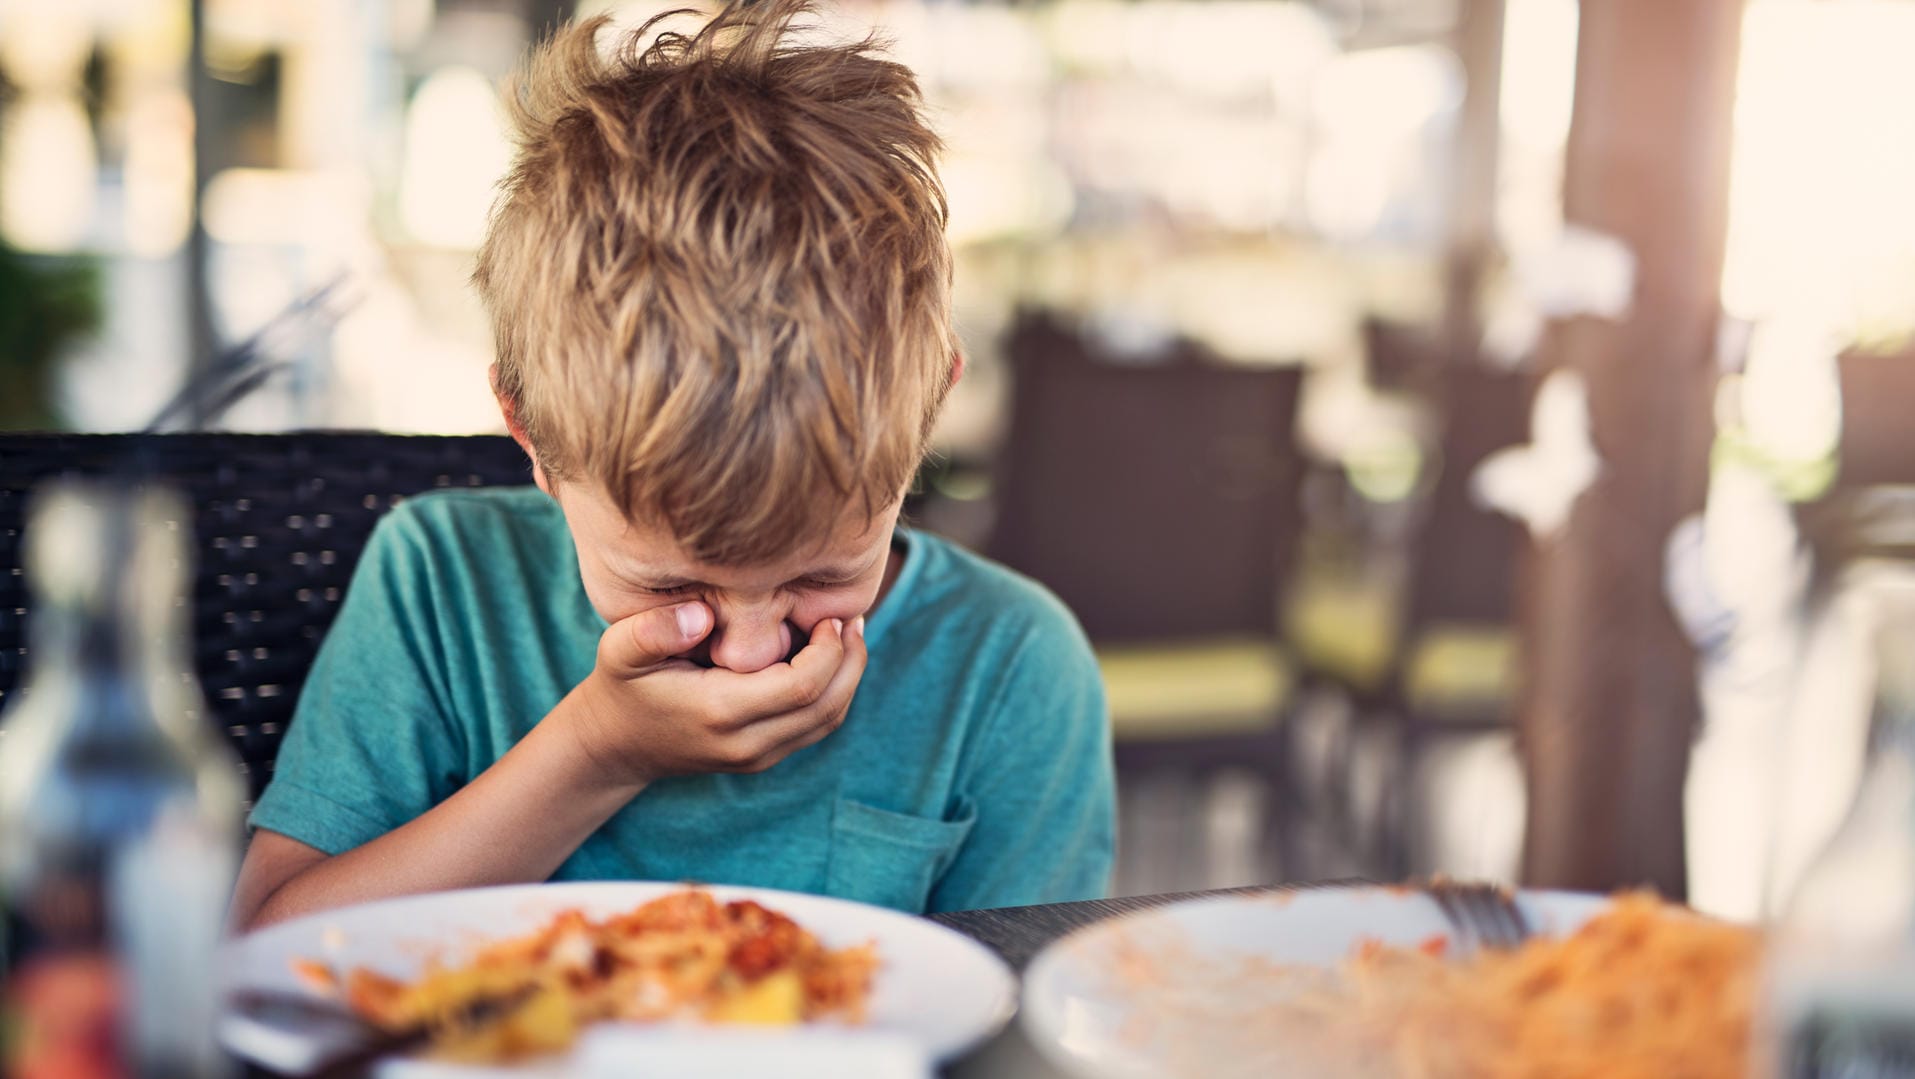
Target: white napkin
x,y
623,1052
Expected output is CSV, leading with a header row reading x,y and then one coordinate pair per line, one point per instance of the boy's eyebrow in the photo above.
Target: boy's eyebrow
x,y
667,583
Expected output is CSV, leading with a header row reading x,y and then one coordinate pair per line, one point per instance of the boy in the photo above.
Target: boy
x,y
700,648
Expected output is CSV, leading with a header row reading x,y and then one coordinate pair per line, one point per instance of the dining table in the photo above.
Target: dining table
x,y
1017,935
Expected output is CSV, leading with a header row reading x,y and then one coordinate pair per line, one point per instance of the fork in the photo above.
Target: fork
x,y
1482,915
342,1045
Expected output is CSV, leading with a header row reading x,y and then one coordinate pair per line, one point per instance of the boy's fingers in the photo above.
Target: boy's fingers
x,y
649,638
783,687
835,701
791,733
821,656
797,732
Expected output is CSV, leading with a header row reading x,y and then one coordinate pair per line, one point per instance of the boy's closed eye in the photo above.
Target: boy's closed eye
x,y
802,584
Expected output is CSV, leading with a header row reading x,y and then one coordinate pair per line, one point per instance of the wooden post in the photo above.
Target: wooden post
x,y
1472,202
1610,700
1878,442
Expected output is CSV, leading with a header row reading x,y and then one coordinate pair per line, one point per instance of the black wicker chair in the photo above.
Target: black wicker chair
x,y
280,522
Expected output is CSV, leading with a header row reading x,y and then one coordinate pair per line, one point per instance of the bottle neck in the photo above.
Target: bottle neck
x,y
95,646
1894,714
107,626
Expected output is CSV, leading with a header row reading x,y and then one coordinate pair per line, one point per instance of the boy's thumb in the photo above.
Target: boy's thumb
x,y
649,638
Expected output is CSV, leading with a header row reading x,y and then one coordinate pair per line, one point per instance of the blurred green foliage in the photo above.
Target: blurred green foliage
x,y
46,304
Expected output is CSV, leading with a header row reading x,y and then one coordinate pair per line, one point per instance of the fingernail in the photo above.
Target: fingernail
x,y
691,619
857,627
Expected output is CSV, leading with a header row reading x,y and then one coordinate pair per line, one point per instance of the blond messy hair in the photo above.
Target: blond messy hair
x,y
718,279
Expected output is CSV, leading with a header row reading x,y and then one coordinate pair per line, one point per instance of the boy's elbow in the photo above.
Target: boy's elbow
x,y
272,861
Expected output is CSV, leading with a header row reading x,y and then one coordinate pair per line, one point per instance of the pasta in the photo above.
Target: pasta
x,y
1644,989
683,956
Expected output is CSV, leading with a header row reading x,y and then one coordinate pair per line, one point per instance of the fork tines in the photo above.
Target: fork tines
x,y
1483,915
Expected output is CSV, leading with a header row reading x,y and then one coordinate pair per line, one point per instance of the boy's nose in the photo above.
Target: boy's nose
x,y
750,644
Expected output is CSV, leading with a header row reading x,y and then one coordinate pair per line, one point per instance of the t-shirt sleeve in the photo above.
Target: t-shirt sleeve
x,y
1040,783
372,743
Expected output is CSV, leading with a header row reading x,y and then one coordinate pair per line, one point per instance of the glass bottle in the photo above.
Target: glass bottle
x,y
120,812
1841,983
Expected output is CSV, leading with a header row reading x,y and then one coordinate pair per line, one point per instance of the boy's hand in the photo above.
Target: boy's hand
x,y
644,714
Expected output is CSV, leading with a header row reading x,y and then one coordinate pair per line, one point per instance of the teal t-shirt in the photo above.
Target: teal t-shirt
x,y
973,769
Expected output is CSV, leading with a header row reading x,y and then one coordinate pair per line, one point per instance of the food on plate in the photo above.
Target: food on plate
x,y
683,956
1644,989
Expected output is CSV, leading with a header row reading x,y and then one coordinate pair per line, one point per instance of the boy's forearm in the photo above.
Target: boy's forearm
x,y
516,823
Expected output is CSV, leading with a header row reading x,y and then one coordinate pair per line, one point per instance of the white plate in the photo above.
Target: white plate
x,y
942,990
1079,1014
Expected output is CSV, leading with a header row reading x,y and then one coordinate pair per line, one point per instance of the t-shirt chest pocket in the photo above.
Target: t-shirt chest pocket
x,y
888,858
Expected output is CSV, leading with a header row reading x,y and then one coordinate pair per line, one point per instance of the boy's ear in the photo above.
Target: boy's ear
x,y
509,408
957,365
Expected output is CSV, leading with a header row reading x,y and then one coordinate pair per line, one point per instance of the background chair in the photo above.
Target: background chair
x,y
1451,707
1159,501
280,521
1426,750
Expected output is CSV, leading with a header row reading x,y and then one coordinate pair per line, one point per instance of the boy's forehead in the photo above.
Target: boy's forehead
x,y
658,554
644,545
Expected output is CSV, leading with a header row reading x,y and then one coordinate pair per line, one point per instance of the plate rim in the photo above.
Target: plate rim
x,y
1034,1011
1005,988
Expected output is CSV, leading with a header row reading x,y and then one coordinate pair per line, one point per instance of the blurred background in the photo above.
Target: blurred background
x,y
1464,426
